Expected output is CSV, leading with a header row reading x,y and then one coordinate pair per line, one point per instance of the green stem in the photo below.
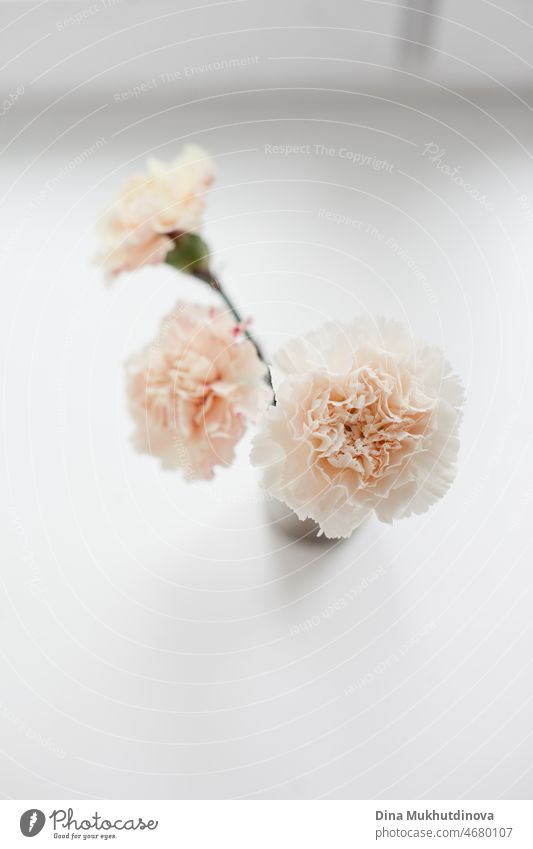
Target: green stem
x,y
209,278
191,255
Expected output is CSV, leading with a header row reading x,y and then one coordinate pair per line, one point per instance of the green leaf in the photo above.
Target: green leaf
x,y
190,254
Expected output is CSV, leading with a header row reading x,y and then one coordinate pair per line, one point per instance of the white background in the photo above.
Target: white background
x,y
165,640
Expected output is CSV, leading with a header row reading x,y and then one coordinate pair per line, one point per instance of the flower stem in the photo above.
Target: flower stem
x,y
191,255
212,281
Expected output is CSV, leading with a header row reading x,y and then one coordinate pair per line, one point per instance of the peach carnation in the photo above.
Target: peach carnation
x,y
167,199
366,421
193,391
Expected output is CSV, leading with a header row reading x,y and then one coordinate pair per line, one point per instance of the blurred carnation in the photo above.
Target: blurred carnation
x,y
366,421
194,389
167,199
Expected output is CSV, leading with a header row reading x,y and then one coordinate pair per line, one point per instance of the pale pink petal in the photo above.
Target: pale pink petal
x,y
365,421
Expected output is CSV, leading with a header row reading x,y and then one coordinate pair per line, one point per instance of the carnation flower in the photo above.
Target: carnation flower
x,y
365,421
166,201
194,389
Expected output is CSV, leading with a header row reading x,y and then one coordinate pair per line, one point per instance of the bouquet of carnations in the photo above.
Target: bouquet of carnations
x,y
352,419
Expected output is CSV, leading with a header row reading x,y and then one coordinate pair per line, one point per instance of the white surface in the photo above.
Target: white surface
x,y
151,631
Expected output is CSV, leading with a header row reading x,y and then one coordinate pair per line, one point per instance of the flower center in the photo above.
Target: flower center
x,y
366,424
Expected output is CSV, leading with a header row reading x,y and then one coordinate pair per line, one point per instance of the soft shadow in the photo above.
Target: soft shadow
x,y
302,557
